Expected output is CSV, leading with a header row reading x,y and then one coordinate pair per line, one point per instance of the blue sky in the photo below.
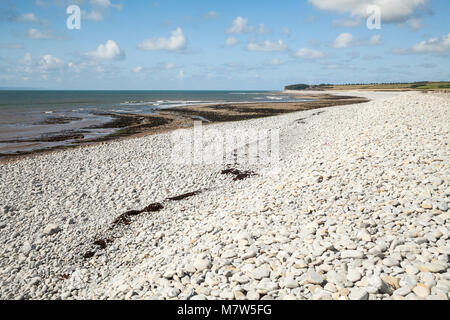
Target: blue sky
x,y
209,44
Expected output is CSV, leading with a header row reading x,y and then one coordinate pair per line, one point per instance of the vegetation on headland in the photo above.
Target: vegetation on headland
x,y
421,85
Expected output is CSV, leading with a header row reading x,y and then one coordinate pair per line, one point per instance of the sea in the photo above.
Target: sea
x,y
28,116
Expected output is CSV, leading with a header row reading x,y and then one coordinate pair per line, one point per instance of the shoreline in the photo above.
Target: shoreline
x,y
356,209
164,120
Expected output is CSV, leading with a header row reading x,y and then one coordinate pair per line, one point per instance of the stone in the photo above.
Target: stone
x,y
403,291
344,292
390,262
290,283
253,295
421,290
51,229
330,288
172,292
375,284
251,253
260,272
313,277
408,281
437,267
352,254
227,294
443,206
427,205
358,294
201,264
354,276
229,254
410,269
391,281
364,235
266,285
27,247
238,295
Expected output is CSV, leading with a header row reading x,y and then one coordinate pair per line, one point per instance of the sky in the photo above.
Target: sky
x,y
221,45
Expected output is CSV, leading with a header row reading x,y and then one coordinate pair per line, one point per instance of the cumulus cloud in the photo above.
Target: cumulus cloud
x,y
44,65
310,54
262,29
100,8
211,15
49,62
41,3
347,23
375,40
267,46
274,62
240,25
109,51
137,69
413,24
180,75
30,17
36,34
286,31
391,11
344,40
231,42
434,45
11,46
176,42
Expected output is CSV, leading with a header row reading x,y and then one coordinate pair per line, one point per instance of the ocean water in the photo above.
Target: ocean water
x,y
22,113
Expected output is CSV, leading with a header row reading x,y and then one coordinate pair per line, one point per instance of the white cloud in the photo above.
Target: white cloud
x,y
11,46
306,53
344,40
35,34
262,29
27,59
274,62
267,46
413,24
231,42
391,10
240,25
180,75
41,3
176,42
108,51
375,40
44,65
49,62
348,23
27,17
286,31
211,15
434,45
100,8
137,69
93,15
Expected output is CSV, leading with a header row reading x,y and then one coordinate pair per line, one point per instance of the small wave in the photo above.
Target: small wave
x,y
274,98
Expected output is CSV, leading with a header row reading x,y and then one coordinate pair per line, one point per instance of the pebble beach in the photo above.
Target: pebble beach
x,y
355,209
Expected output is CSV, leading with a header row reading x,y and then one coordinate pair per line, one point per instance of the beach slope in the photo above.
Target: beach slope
x,y
355,207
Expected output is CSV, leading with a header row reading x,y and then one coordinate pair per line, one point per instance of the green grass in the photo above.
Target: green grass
x,y
423,85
